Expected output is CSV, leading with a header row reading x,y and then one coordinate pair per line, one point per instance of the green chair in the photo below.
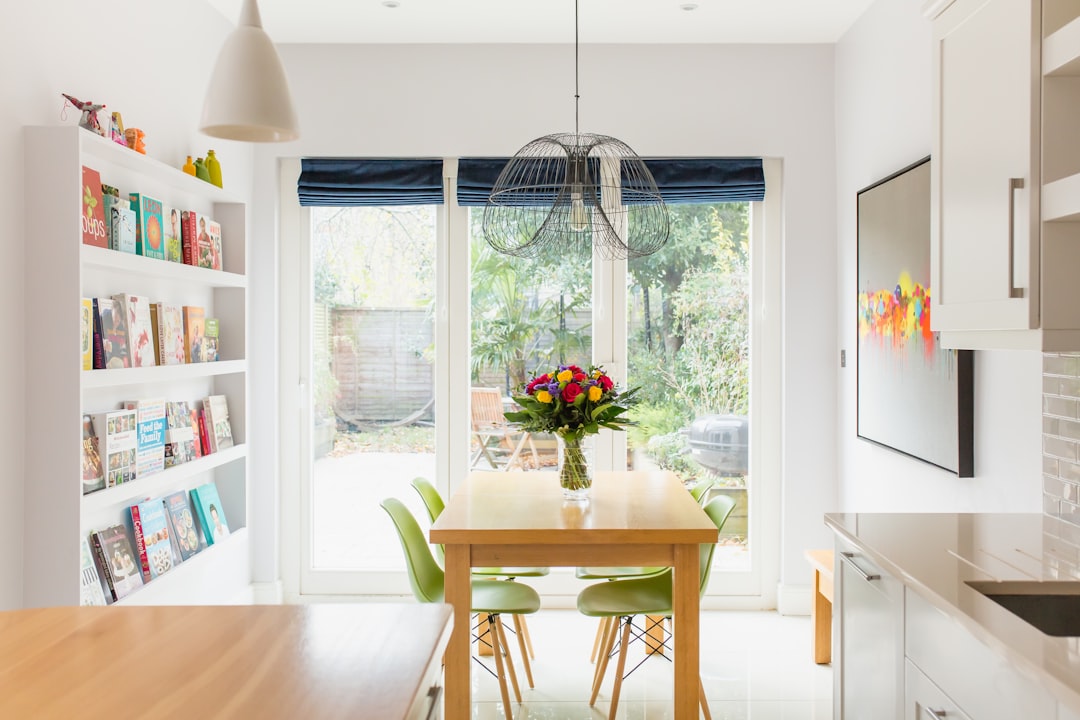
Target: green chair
x,y
699,492
621,600
434,505
490,598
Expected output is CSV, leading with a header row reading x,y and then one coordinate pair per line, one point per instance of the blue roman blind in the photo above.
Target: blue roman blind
x,y
682,180
344,182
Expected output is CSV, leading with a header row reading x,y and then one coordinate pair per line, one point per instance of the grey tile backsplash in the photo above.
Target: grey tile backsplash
x,y
1061,464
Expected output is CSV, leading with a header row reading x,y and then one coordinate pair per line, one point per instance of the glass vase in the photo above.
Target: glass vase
x,y
575,467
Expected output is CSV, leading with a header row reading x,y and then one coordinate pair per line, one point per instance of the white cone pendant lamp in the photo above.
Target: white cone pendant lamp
x,y
248,98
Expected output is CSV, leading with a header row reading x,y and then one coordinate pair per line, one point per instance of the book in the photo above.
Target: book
x,y
219,430
114,333
110,197
150,528
179,435
182,524
210,340
194,330
116,561
150,426
149,231
189,237
118,442
204,246
90,591
122,228
93,475
93,210
213,229
204,437
173,237
168,321
211,514
86,333
140,331
99,348
196,429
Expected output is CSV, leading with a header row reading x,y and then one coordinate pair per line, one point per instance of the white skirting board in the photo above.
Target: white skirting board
x,y
793,599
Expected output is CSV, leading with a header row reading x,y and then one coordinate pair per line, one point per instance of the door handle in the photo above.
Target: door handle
x,y
1014,185
849,558
934,714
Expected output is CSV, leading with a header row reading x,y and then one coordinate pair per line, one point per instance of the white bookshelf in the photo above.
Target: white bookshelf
x,y
60,270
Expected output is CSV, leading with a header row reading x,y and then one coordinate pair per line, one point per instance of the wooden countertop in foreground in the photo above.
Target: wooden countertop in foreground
x,y
258,661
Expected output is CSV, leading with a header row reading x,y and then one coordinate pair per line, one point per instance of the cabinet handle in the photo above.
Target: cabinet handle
x,y
1014,185
434,692
934,714
849,558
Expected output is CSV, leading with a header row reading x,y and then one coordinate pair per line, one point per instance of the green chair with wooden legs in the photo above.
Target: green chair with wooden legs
x,y
621,600
490,598
699,492
434,505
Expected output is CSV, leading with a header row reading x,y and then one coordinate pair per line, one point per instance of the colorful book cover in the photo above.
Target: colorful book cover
x,y
90,592
213,229
204,437
93,475
194,332
118,443
149,233
196,430
99,348
210,344
170,334
219,430
114,333
152,543
211,513
189,234
204,245
182,522
109,201
113,548
93,210
86,333
150,441
140,329
179,435
173,236
122,227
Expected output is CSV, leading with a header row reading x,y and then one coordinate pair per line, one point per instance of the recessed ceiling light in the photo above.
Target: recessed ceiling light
x,y
391,3
688,6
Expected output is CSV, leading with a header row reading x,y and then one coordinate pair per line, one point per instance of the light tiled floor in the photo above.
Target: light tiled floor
x,y
755,666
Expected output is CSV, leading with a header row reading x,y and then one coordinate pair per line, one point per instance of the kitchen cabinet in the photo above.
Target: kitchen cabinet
x,y
870,638
1005,196
923,700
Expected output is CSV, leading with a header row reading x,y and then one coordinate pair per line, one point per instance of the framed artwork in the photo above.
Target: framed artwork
x,y
914,396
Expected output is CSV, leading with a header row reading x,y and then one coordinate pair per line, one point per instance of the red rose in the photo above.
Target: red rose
x,y
542,380
580,377
605,382
574,369
571,391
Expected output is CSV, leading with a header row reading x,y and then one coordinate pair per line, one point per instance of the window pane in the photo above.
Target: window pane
x,y
373,379
688,342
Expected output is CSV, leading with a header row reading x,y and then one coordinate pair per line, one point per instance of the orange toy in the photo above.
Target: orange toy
x,y
136,139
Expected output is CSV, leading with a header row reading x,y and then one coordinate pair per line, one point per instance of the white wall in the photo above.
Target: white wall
x,y
438,101
883,123
150,61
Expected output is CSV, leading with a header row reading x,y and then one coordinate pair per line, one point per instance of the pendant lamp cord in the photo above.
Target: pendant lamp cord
x,y
577,97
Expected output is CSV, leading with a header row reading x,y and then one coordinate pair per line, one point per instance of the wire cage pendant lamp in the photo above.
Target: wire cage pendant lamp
x,y
566,192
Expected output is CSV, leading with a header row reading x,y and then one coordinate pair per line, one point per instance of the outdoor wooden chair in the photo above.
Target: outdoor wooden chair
x,y
498,442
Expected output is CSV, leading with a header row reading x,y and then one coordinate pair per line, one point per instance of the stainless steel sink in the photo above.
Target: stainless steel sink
x,y
1052,606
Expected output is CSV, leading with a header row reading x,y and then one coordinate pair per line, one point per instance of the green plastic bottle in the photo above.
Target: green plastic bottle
x,y
214,167
189,167
200,170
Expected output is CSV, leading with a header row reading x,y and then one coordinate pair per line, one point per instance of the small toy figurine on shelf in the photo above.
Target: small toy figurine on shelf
x,y
116,129
89,119
136,140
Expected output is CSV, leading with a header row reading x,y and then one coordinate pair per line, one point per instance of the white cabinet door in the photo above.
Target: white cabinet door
x,y
870,635
984,230
923,700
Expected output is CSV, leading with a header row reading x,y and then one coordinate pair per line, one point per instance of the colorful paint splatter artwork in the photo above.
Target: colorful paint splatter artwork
x,y
899,317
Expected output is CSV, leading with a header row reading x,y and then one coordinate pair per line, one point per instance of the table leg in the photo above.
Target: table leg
x,y
458,593
686,604
654,634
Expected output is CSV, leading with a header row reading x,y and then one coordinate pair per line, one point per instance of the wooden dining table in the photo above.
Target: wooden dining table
x,y
238,661
521,519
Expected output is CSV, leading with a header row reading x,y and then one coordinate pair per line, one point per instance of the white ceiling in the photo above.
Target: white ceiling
x,y
552,21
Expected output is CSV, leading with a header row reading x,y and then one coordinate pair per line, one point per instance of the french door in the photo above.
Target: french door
x,y
488,331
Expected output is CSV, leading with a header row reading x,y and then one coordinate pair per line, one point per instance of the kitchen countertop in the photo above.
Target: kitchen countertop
x,y
934,554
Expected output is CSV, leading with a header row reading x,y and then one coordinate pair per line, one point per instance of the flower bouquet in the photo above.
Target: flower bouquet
x,y
572,403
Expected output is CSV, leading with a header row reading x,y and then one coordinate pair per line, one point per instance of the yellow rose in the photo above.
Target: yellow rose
x,y
543,396
565,376
595,392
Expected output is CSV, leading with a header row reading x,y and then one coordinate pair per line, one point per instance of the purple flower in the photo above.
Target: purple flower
x,y
553,388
